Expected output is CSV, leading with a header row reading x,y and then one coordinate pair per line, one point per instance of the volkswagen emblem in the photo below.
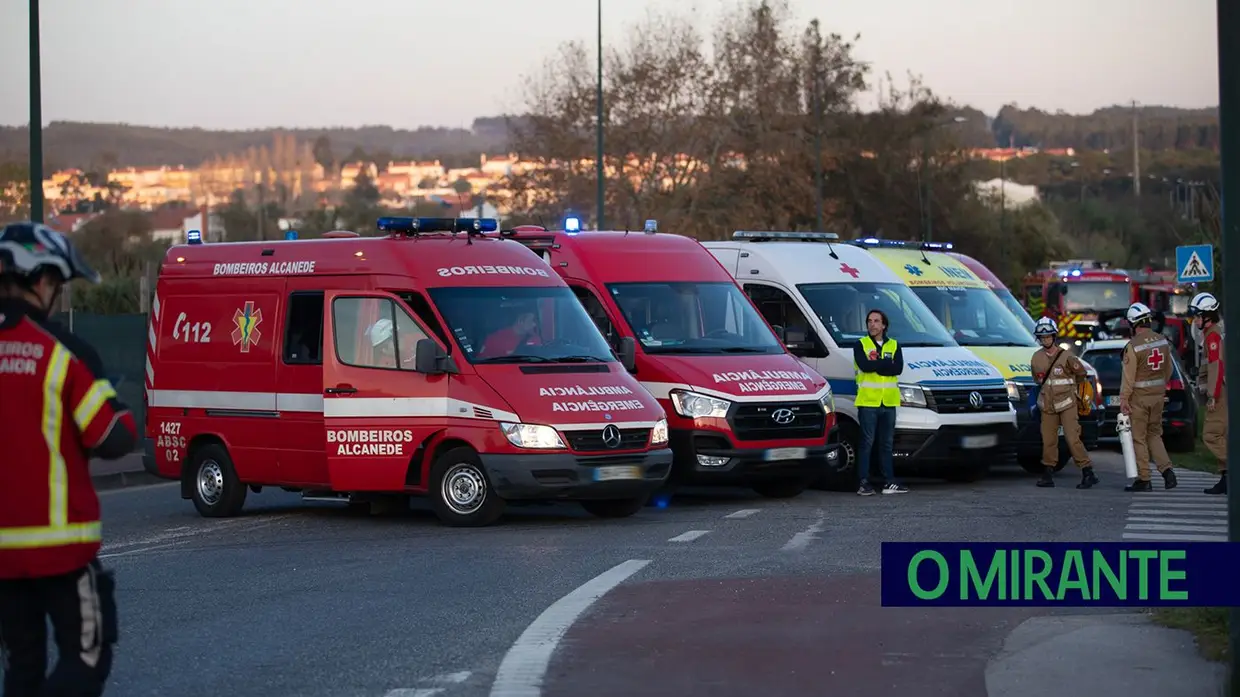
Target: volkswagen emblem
x,y
611,436
783,417
975,400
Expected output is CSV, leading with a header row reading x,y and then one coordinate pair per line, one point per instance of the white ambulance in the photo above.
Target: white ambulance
x,y
956,415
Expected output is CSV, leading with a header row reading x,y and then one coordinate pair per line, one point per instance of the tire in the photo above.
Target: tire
x,y
785,488
214,487
461,493
614,508
968,474
845,477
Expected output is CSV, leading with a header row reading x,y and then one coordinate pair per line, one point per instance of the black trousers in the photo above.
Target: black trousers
x,y
82,609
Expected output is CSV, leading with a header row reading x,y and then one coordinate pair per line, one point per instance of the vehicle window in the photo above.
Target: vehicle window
x,y
596,311
538,324
781,311
1095,296
842,309
975,316
422,308
693,317
374,333
1053,294
303,333
1022,314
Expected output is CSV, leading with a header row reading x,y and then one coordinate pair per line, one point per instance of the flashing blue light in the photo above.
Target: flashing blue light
x,y
652,226
414,226
1076,272
870,240
903,244
572,224
936,245
290,235
193,237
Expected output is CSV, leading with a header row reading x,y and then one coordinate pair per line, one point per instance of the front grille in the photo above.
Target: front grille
x,y
758,421
956,400
592,441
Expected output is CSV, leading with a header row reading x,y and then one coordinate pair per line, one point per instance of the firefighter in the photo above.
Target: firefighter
x,y
1057,372
1212,381
57,413
1143,387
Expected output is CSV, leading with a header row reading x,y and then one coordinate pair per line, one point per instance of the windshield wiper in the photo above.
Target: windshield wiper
x,y
515,359
1009,343
742,349
577,359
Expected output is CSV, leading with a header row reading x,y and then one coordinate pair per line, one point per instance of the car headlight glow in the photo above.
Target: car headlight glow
x,y
912,396
828,401
658,434
531,436
1013,390
692,405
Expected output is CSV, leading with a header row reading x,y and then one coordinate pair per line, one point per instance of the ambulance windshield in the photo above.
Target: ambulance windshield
x,y
842,309
1095,296
542,324
1012,304
975,316
693,317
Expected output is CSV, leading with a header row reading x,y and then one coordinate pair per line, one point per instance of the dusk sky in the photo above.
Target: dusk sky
x,y
306,63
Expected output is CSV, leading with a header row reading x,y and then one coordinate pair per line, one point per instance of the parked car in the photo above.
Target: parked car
x,y
1180,410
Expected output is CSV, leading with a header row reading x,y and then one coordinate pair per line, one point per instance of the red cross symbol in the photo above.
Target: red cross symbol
x,y
849,270
1155,359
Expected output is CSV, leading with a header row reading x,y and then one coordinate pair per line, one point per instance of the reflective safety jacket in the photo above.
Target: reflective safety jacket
x,y
57,411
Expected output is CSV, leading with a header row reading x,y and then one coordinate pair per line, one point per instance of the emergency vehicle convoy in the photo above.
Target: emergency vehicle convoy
x,y
995,284
979,321
371,369
955,416
1081,295
741,408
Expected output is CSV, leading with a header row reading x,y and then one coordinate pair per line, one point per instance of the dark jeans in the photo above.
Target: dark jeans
x,y
878,429
82,608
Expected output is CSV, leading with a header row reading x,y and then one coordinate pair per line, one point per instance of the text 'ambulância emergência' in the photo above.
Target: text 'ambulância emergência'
x,y
592,404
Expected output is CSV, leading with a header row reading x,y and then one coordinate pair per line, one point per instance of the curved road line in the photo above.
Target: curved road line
x,y
525,665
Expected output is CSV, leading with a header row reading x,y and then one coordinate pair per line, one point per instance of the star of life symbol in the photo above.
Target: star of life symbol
x,y
1155,359
911,268
1195,268
247,320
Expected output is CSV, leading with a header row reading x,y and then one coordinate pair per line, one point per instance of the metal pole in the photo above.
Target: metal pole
x,y
818,225
36,119
1229,121
598,156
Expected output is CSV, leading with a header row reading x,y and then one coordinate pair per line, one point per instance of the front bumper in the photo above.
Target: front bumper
x,y
567,476
951,446
744,466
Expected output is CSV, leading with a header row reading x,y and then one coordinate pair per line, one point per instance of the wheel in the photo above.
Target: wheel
x,y
614,508
460,492
786,488
968,473
216,491
844,476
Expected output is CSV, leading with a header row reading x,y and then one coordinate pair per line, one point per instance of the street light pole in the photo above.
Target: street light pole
x,y
598,156
36,119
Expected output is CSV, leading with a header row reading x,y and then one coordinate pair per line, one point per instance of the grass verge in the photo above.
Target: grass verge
x,y
1208,625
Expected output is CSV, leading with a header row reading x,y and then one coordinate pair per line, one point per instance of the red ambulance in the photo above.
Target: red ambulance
x,y
374,368
742,409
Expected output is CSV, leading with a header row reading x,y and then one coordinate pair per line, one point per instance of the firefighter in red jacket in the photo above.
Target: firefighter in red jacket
x,y
57,412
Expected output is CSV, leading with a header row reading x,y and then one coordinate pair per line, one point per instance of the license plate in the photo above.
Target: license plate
x,y
777,454
1113,400
973,442
607,474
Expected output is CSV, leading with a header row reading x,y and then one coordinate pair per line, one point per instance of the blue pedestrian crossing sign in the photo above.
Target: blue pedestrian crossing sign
x,y
1194,263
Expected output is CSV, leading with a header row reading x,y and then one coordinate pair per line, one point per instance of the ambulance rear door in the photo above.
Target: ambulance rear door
x,y
377,409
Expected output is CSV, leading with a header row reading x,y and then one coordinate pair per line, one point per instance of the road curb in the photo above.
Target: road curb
x,y
125,480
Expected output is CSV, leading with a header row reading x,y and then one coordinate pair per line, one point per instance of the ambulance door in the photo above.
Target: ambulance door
x,y
377,409
299,386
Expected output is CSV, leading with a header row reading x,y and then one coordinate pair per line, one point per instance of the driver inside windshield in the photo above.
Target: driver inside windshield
x,y
505,341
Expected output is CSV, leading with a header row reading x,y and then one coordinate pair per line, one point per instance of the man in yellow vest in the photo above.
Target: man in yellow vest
x,y
879,363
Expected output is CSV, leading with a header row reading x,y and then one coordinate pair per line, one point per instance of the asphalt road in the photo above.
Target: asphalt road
x,y
309,599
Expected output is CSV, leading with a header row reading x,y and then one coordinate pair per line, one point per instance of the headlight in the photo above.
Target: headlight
x,y
658,434
828,401
692,405
1013,390
912,396
531,436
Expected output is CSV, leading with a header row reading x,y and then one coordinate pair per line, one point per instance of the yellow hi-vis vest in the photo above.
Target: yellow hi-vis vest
x,y
874,390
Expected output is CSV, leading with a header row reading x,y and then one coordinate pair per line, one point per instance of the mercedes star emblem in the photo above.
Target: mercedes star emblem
x,y
975,400
783,417
611,436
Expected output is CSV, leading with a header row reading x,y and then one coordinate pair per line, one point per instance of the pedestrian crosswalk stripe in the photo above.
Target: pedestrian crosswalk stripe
x,y
1204,520
1183,514
1163,511
1156,527
1165,537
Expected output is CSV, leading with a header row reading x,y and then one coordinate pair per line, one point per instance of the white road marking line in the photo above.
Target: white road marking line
x,y
743,513
453,677
1181,521
525,665
414,692
184,532
1166,511
802,539
688,536
1160,537
132,489
1221,505
1157,527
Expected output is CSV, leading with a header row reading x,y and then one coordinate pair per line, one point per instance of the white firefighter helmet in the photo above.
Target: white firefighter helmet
x,y
1045,327
1139,312
1202,302
380,331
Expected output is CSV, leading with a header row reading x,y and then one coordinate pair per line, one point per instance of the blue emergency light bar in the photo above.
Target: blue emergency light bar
x,y
652,226
572,224
290,235
759,236
415,226
902,244
193,237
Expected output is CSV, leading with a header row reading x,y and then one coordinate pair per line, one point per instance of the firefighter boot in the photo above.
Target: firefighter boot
x,y
1220,487
1140,485
1169,480
1048,477
1088,478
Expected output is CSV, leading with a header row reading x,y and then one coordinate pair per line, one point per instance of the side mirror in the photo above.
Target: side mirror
x,y
430,358
628,353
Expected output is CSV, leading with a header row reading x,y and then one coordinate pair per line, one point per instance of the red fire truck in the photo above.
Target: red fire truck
x,y
1083,296
426,362
742,410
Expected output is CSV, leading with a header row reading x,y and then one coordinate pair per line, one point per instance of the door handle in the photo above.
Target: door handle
x,y
341,389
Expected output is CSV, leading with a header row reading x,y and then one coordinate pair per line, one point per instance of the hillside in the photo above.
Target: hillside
x,y
74,144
